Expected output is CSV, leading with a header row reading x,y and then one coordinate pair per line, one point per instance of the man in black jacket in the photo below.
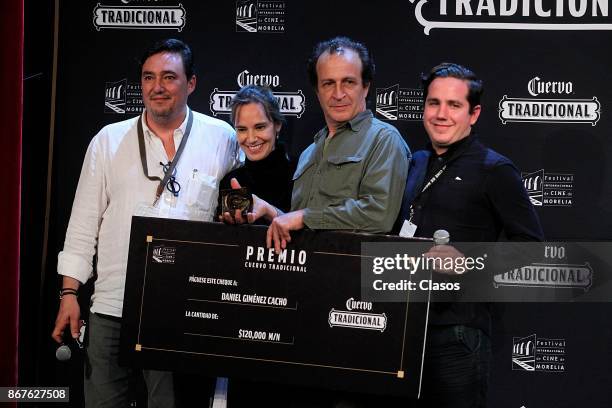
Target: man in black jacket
x,y
477,195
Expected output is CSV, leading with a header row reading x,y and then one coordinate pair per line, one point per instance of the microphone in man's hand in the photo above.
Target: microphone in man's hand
x,y
63,352
441,237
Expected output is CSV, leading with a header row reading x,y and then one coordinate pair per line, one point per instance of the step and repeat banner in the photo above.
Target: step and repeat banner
x,y
546,69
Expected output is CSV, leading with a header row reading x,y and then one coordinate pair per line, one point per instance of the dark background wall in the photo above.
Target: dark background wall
x,y
565,164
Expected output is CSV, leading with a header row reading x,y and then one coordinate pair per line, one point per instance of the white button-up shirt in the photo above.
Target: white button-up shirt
x,y
112,186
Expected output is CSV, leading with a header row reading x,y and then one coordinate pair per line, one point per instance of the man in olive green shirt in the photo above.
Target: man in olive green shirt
x,y
353,176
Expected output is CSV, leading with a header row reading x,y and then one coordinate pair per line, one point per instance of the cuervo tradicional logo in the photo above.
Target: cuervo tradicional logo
x,y
290,103
580,15
139,17
356,317
556,272
547,110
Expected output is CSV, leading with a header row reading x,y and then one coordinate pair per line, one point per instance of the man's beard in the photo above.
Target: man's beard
x,y
161,114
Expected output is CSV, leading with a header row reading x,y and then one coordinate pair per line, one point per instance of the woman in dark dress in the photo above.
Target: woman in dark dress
x,y
267,172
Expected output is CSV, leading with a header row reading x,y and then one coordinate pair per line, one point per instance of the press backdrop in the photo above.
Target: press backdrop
x,y
546,67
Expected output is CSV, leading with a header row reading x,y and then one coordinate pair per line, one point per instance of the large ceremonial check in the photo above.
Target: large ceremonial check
x,y
211,298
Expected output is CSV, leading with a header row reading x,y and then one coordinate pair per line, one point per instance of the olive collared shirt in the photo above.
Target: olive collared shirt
x,y
357,181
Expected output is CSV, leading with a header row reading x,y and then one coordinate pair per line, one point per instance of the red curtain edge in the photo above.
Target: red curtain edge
x,y
10,155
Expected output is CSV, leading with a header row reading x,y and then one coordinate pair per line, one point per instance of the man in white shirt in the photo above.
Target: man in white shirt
x,y
121,176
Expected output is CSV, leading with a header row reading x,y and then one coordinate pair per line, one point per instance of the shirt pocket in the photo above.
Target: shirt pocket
x,y
342,178
202,193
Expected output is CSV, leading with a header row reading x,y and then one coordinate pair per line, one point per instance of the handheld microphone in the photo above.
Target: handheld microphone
x,y
63,353
441,237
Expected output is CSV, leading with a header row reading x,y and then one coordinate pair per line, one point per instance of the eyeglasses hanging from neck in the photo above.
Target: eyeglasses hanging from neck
x,y
172,185
169,180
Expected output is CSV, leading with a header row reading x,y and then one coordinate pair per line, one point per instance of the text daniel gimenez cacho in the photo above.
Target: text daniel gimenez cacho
x,y
411,264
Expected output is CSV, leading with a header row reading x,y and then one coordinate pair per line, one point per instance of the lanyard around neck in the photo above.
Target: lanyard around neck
x,y
434,178
429,183
177,155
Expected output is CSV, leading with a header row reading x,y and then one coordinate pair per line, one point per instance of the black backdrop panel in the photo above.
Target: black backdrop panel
x,y
555,53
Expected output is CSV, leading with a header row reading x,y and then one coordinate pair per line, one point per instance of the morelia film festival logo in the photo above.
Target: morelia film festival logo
x,y
123,97
395,103
549,110
163,254
581,15
357,316
538,354
549,189
257,16
555,273
290,103
139,17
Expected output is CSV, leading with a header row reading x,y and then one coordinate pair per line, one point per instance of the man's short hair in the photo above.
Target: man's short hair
x,y
452,70
337,45
173,46
261,95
